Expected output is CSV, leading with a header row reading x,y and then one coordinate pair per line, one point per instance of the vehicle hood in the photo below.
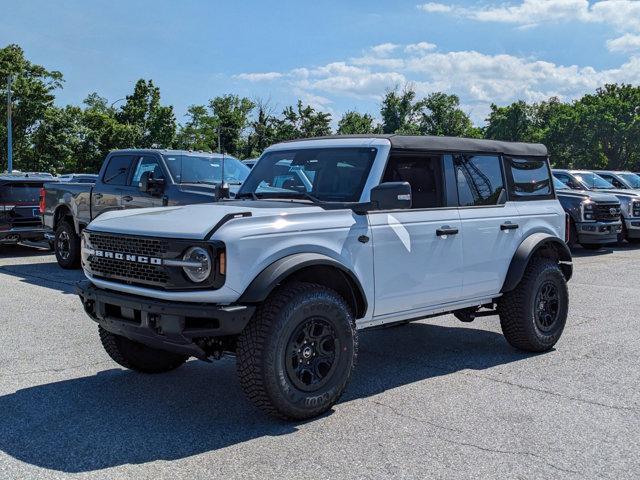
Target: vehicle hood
x,y
583,194
190,221
621,193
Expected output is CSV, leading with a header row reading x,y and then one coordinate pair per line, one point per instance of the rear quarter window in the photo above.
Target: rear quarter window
x,y
529,178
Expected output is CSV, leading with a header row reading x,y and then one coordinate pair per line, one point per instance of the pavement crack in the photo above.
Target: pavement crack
x,y
56,370
411,417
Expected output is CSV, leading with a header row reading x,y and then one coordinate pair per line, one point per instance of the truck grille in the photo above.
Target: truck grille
x,y
607,212
125,270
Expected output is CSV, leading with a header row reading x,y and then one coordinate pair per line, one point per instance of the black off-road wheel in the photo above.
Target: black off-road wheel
x,y
139,357
533,315
296,355
67,246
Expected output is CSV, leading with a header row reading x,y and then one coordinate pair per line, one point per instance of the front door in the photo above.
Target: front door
x,y
107,193
417,252
132,196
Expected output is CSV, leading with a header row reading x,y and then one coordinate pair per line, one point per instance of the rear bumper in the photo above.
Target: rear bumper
x,y
171,326
598,232
19,234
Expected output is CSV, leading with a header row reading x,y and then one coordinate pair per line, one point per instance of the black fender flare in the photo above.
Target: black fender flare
x,y
529,246
267,280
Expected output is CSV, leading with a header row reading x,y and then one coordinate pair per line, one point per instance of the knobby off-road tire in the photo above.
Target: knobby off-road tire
x,y
533,315
139,357
296,355
67,246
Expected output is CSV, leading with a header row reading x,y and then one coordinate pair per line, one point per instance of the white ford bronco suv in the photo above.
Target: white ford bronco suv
x,y
325,237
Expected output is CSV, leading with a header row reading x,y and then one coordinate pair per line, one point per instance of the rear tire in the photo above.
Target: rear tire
x,y
534,314
67,246
296,355
139,357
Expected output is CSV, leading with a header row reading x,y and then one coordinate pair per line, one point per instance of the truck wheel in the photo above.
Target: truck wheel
x,y
139,357
533,315
573,234
67,246
296,355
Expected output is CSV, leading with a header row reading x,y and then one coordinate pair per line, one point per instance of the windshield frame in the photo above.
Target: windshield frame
x,y
309,195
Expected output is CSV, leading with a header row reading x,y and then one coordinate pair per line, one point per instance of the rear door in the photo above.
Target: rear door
x,y
490,224
107,193
417,252
132,196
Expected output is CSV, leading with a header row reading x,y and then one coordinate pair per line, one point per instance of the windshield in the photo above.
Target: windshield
x,y
594,181
558,185
206,169
631,179
20,193
326,174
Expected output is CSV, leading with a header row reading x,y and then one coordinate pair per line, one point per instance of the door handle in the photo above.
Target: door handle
x,y
509,226
446,230
127,198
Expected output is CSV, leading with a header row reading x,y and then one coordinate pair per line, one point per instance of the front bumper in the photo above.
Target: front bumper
x,y
633,227
598,232
171,326
20,234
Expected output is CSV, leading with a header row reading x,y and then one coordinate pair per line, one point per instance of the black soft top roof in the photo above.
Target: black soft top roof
x,y
452,144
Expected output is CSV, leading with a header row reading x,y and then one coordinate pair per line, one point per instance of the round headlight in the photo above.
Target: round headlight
x,y
197,273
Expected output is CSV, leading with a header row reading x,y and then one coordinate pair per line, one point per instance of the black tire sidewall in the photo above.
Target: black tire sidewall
x,y
334,310
550,272
74,246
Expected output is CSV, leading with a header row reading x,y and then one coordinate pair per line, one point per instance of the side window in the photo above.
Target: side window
x,y
528,178
567,180
146,164
610,178
117,171
479,179
424,174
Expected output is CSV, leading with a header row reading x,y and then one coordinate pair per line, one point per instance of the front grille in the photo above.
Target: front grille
x,y
606,212
128,271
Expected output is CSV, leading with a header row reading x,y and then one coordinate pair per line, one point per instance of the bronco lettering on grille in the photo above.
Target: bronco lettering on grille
x,y
128,257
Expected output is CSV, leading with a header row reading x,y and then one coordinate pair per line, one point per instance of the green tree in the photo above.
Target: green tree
x,y
353,123
154,123
262,133
440,114
33,94
302,122
399,112
513,123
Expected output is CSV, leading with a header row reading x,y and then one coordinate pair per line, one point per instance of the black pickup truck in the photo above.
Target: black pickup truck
x,y
134,179
19,209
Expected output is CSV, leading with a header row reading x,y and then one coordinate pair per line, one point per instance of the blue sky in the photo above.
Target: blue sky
x,y
335,55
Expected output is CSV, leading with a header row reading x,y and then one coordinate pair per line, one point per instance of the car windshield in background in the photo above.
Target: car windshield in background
x,y
20,193
631,178
558,185
325,174
206,169
592,180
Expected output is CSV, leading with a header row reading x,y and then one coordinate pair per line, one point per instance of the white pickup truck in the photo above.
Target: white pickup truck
x,y
327,236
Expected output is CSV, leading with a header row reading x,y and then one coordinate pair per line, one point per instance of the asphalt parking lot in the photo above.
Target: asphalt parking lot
x,y
432,399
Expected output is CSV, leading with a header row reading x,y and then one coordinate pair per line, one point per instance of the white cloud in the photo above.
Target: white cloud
x,y
259,77
621,14
478,79
384,49
419,47
434,7
625,43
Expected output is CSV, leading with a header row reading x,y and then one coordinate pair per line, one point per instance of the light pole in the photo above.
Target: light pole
x,y
9,128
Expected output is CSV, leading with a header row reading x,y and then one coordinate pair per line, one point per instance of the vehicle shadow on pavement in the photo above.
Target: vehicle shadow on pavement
x,y
48,275
120,417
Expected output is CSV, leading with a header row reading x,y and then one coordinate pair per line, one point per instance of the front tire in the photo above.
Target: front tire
x,y
296,355
139,357
67,246
534,314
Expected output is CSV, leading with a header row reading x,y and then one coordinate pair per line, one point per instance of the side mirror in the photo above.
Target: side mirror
x,y
391,196
149,184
